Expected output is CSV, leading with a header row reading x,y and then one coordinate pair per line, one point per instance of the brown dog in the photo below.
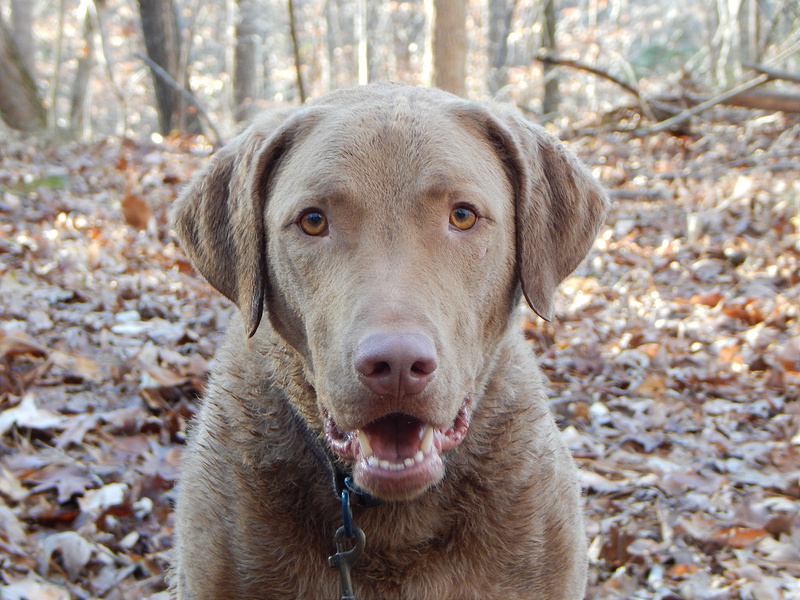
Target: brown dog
x,y
386,235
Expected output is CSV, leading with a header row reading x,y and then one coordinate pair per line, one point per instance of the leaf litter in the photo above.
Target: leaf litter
x,y
674,364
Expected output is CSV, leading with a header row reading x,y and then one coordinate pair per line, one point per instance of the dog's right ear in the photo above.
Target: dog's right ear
x,y
219,217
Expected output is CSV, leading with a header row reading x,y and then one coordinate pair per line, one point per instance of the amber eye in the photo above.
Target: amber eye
x,y
313,223
463,218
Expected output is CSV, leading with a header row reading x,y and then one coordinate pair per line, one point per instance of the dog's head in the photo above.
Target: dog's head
x,y
387,233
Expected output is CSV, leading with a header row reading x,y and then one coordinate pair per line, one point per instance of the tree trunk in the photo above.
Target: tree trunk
x,y
301,89
162,38
500,13
450,46
87,59
552,96
361,28
22,28
20,105
244,75
331,40
750,30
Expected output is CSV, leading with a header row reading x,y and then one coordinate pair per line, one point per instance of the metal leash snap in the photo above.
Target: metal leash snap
x,y
343,559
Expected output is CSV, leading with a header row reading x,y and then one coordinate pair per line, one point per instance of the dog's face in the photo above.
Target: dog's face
x,y
385,232
390,242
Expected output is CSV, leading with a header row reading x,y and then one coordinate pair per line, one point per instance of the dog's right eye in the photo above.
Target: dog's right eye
x,y
313,223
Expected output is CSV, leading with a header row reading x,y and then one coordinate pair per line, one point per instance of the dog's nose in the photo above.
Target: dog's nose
x,y
395,363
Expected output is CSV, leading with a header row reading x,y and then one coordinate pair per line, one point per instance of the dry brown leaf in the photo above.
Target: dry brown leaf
x,y
136,211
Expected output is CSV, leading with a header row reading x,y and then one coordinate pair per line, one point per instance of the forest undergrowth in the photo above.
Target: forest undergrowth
x,y
674,362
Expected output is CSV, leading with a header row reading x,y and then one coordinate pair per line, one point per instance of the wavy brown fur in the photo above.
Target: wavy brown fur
x,y
255,513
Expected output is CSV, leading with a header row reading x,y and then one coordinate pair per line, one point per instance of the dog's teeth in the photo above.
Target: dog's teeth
x,y
427,440
363,441
374,461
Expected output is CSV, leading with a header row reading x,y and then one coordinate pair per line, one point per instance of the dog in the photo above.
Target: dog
x,y
377,243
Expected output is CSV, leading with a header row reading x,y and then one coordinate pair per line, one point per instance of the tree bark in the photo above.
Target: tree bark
x,y
301,89
450,46
20,105
361,37
162,38
331,40
160,27
22,28
552,96
244,75
87,59
500,13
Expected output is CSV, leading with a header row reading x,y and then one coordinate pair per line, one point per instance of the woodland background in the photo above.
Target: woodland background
x,y
675,356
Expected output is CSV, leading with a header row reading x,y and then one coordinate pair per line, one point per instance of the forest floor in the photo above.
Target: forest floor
x,y
674,361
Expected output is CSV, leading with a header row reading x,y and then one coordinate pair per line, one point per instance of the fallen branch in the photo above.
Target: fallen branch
x,y
696,110
574,64
767,100
773,73
646,105
185,93
640,194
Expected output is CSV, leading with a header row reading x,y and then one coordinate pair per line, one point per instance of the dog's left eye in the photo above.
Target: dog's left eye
x,y
313,222
463,218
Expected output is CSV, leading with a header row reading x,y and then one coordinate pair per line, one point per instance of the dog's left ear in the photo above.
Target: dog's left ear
x,y
219,217
559,204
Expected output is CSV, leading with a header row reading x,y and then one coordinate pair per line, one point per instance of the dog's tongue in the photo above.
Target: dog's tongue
x,y
395,437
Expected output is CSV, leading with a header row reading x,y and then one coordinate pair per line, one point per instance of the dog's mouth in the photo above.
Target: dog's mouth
x,y
397,456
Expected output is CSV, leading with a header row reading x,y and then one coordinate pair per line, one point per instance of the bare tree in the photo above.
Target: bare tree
x,y
301,88
552,96
162,38
22,29
87,60
750,30
449,46
20,105
500,14
361,22
331,39
245,70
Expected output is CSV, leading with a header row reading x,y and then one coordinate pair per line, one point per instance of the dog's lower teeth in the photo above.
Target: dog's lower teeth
x,y
372,461
426,445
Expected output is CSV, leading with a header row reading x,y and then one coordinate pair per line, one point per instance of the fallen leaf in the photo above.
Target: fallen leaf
x,y
103,498
75,551
30,588
25,414
137,212
738,537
